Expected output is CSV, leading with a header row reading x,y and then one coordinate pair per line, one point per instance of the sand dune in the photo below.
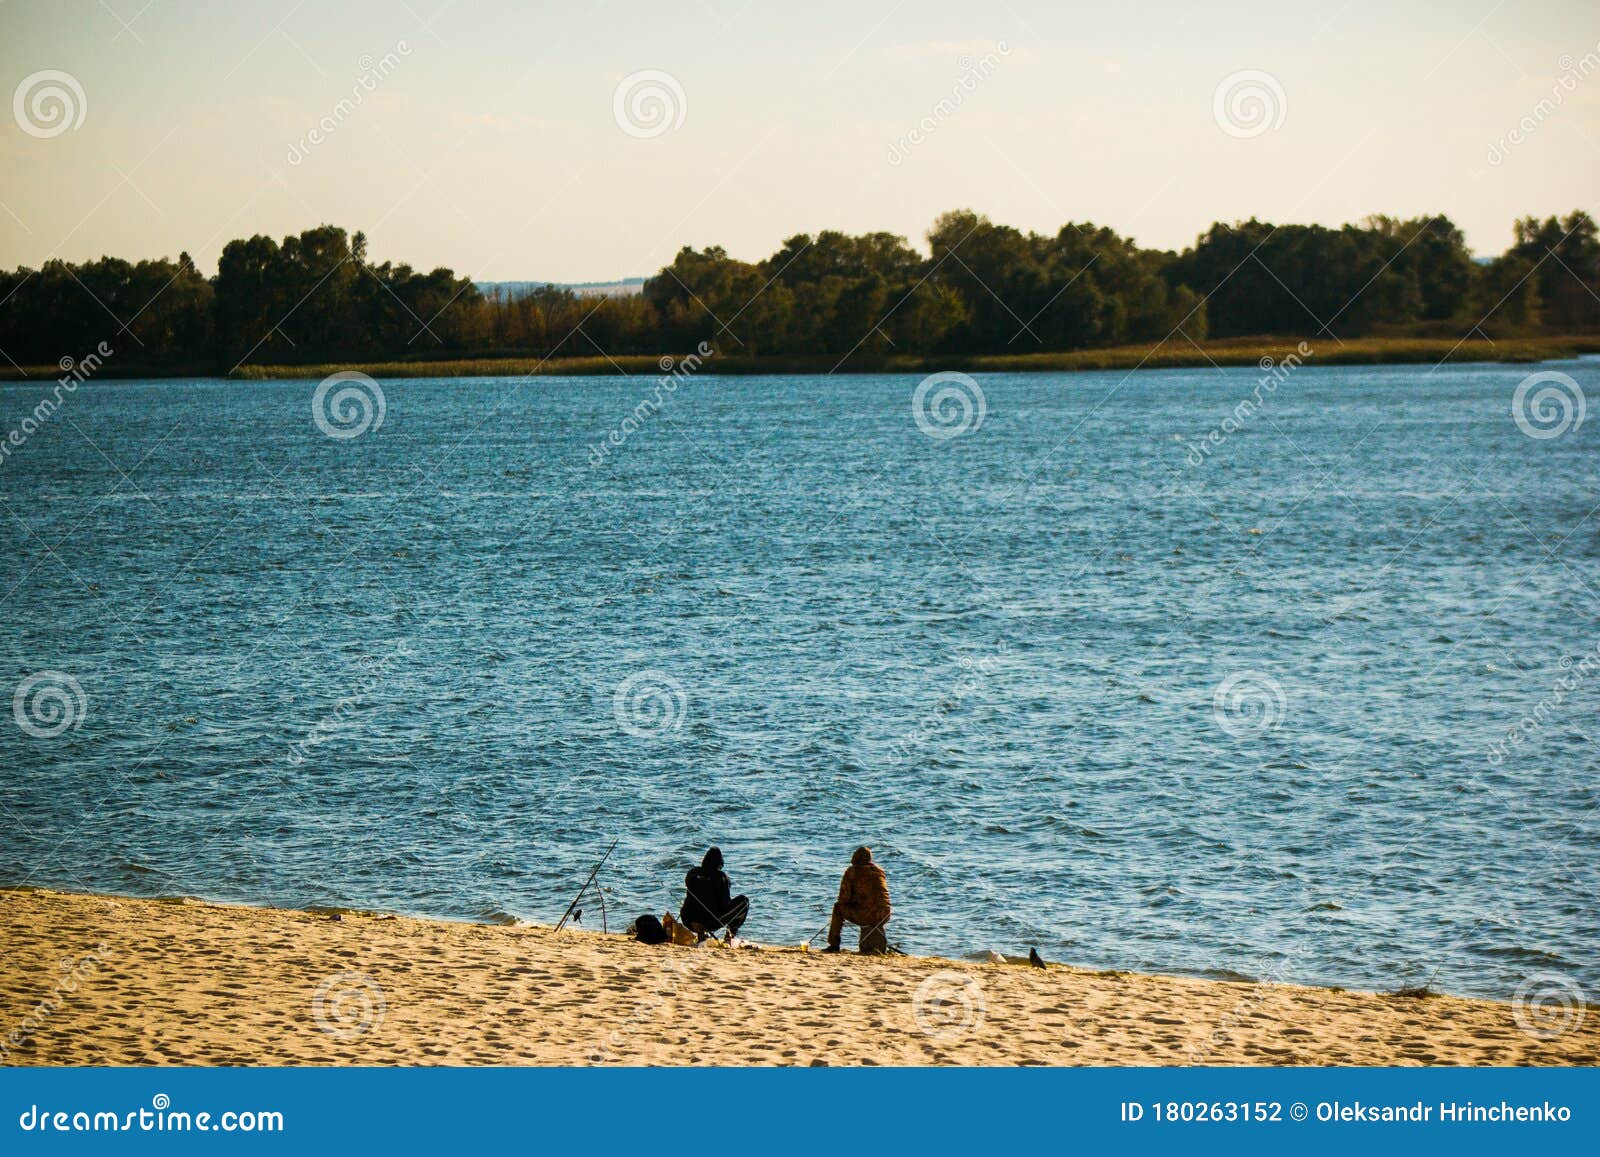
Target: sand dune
x,y
98,980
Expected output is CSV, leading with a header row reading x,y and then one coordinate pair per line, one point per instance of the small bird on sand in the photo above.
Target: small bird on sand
x,y
1034,958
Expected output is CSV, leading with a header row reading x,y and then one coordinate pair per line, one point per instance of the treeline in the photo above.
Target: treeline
x,y
981,288
1387,276
313,296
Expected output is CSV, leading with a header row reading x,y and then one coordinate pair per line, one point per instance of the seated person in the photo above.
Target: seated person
x,y
708,906
863,901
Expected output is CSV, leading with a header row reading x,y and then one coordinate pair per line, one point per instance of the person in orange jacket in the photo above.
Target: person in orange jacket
x,y
863,901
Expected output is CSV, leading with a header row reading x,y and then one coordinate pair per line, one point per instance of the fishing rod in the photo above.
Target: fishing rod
x,y
890,949
585,888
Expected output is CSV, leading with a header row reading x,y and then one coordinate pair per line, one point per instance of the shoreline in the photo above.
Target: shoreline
x,y
94,979
1227,352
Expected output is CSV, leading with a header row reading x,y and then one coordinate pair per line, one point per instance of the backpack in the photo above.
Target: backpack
x,y
647,930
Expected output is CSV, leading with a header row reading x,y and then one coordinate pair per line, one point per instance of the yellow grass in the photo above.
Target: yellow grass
x,y
1173,353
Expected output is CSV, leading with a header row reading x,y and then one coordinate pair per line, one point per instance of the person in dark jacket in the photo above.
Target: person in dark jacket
x,y
863,901
708,905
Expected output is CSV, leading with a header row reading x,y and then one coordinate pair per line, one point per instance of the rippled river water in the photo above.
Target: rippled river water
x,y
1080,684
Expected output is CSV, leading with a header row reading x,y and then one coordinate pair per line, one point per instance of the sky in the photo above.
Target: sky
x,y
590,141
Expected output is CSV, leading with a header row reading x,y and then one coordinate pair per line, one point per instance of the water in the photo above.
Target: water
x,y
383,671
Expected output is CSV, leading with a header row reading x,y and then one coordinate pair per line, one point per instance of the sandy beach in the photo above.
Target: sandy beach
x,y
93,980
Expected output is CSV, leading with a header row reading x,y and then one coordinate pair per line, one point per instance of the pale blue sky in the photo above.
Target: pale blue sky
x,y
492,146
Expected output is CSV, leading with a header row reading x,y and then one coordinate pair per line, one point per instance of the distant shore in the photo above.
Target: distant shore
x,y
1164,355
100,980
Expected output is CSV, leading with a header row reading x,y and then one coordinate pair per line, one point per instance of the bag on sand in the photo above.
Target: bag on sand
x,y
677,933
648,930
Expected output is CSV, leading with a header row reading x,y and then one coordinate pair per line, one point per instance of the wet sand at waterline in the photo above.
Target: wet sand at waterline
x,y
88,980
